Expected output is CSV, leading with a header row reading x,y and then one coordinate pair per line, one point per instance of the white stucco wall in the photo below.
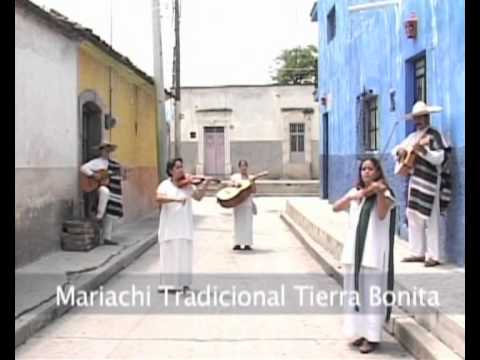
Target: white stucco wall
x,y
256,114
256,121
46,135
46,131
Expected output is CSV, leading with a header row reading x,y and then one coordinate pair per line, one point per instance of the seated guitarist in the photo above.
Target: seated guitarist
x,y
109,195
429,187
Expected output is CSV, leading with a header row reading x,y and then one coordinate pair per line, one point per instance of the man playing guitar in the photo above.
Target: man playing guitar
x,y
429,186
108,188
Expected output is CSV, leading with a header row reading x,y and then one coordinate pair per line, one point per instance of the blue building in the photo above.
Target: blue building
x,y
371,71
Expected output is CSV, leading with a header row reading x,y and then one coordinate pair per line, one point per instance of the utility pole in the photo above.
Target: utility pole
x,y
161,125
178,137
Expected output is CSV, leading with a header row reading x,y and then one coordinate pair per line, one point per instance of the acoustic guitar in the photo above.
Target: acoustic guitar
x,y
230,197
89,184
404,165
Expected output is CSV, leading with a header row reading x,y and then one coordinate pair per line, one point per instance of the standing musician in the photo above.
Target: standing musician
x,y
243,213
110,206
368,253
429,187
175,229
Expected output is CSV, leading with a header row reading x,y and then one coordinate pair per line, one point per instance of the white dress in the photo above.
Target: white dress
x,y
175,237
369,320
243,218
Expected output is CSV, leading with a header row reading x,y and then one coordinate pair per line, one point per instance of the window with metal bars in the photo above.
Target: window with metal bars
x,y
297,137
420,80
371,128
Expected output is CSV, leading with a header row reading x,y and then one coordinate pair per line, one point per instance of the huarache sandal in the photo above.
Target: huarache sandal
x,y
414,259
368,347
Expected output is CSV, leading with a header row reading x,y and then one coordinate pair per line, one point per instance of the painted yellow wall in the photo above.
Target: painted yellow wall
x,y
133,103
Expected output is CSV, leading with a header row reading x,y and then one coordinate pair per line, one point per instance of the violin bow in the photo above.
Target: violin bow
x,y
382,154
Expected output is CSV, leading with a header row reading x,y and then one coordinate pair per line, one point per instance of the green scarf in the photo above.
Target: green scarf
x,y
361,235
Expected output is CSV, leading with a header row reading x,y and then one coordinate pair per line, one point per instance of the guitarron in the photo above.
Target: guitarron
x,y
230,197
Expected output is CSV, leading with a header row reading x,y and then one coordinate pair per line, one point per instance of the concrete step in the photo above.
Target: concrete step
x,y
288,187
42,307
284,188
324,231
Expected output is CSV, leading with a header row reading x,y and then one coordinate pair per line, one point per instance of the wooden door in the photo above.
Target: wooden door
x,y
214,146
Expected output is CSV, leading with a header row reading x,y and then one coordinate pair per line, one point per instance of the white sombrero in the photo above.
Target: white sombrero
x,y
420,108
105,145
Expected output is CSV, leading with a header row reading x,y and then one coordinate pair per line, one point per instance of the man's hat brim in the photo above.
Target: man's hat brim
x,y
426,111
111,147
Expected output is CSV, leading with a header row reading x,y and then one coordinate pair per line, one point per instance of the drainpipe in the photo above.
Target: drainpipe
x,y
161,126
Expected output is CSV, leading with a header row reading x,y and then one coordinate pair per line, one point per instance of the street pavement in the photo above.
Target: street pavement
x,y
153,332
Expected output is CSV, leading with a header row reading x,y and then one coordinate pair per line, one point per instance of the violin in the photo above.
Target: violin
x,y
374,188
187,180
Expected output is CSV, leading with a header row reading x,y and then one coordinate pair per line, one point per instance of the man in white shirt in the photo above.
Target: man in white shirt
x,y
429,187
109,205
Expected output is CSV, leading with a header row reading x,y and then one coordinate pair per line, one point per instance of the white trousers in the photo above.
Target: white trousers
x,y
426,235
176,263
368,322
108,227
103,196
243,225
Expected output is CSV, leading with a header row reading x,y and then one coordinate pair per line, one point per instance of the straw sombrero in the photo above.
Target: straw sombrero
x,y
420,108
105,145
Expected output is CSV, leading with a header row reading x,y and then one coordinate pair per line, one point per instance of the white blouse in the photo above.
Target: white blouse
x,y
176,219
375,254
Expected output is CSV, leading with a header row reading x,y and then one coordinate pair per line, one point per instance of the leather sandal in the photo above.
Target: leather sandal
x,y
358,342
109,242
431,263
414,259
368,347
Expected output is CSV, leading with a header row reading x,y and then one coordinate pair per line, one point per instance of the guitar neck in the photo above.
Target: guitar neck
x,y
259,175
422,136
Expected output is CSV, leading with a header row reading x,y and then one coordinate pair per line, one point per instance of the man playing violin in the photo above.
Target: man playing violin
x,y
429,186
175,230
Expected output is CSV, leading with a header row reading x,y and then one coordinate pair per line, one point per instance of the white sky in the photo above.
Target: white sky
x,y
222,41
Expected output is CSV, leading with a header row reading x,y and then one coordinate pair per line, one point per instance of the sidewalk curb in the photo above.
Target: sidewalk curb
x,y
417,340
27,325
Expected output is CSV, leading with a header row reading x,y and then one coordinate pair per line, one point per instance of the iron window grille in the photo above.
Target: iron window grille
x,y
297,137
371,128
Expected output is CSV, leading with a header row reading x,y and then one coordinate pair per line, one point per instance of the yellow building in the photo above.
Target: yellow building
x,y
110,86
69,85
107,84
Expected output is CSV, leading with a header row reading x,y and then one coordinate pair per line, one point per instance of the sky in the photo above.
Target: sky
x,y
223,42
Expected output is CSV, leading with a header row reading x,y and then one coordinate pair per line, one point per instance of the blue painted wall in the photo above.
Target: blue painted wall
x,y
370,50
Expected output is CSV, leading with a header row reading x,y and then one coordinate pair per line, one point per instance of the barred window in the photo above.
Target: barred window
x,y
371,128
420,80
297,137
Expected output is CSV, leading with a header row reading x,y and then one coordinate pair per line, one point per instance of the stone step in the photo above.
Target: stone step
x,y
325,229
284,188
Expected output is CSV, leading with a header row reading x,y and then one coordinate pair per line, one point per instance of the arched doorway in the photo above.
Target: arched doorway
x,y
91,129
92,135
91,113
